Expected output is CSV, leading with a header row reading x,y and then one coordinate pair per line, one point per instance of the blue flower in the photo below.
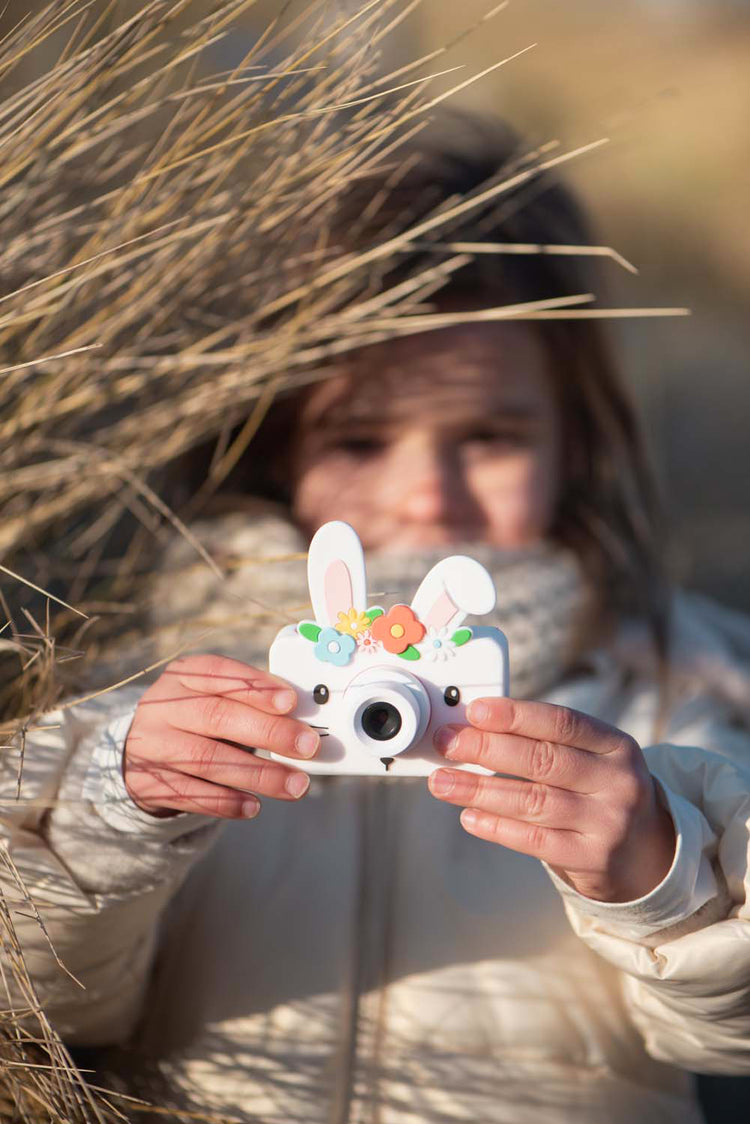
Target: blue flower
x,y
335,647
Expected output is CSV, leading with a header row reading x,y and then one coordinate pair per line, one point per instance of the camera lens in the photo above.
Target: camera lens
x,y
385,710
381,721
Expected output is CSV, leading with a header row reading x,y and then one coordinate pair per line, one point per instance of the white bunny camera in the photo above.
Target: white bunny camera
x,y
376,684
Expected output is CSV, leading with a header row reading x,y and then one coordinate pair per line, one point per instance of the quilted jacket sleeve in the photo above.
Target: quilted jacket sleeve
x,y
98,869
684,949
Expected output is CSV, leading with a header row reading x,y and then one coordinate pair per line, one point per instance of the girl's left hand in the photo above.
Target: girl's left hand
x,y
585,804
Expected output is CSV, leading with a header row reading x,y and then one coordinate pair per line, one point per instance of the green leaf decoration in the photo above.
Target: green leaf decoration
x,y
309,630
410,653
461,636
374,612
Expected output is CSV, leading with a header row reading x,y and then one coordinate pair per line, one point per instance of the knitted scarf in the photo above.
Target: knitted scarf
x,y
544,604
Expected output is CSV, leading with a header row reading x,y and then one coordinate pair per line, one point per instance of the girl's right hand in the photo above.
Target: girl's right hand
x,y
183,752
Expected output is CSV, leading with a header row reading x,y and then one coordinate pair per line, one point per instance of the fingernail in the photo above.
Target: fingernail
x,y
445,739
297,785
307,743
283,700
441,782
469,817
250,808
477,711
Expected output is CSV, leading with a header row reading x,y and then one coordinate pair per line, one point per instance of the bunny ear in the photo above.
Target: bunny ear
x,y
452,588
336,572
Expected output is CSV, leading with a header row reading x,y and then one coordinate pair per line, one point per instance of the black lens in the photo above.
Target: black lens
x,y
381,721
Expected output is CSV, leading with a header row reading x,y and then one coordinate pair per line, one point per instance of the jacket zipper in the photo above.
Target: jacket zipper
x,y
357,1098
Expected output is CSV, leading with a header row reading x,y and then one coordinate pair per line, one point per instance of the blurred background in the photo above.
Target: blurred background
x,y
669,82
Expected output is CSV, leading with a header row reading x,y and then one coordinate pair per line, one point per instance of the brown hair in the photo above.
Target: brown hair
x,y
609,512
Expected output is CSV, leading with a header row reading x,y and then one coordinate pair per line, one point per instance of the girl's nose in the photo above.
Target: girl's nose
x,y
427,482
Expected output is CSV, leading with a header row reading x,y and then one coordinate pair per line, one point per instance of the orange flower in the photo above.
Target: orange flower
x,y
397,629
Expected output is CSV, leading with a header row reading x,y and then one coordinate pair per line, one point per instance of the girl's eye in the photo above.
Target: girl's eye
x,y
321,694
496,437
451,696
359,446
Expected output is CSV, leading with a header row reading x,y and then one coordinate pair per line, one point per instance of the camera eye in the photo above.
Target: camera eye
x,y
452,696
321,694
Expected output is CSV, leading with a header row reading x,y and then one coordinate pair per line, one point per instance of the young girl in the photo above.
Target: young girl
x,y
572,942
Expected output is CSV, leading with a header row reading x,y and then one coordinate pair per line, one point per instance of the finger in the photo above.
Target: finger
x,y
565,849
547,722
226,720
232,679
560,765
156,790
222,764
511,799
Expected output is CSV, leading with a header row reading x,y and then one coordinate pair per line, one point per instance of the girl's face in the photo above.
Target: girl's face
x,y
447,436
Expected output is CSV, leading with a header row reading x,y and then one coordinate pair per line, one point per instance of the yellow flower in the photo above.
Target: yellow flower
x,y
353,622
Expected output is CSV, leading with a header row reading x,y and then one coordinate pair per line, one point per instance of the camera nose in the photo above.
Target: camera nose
x,y
381,721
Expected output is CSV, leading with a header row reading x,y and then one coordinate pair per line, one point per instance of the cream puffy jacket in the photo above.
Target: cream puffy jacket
x,y
357,956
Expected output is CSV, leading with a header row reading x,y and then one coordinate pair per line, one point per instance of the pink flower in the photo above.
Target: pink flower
x,y
366,642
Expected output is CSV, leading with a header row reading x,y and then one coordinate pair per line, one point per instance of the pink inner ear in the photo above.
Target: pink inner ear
x,y
338,589
441,612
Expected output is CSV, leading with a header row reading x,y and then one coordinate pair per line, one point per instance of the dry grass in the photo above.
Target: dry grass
x,y
167,268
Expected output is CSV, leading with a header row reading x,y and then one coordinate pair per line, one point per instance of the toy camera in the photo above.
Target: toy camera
x,y
377,683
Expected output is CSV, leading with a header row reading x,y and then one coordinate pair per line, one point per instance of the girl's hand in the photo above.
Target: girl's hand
x,y
586,804
184,751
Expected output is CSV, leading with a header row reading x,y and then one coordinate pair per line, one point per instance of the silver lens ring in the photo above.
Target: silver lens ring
x,y
386,710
